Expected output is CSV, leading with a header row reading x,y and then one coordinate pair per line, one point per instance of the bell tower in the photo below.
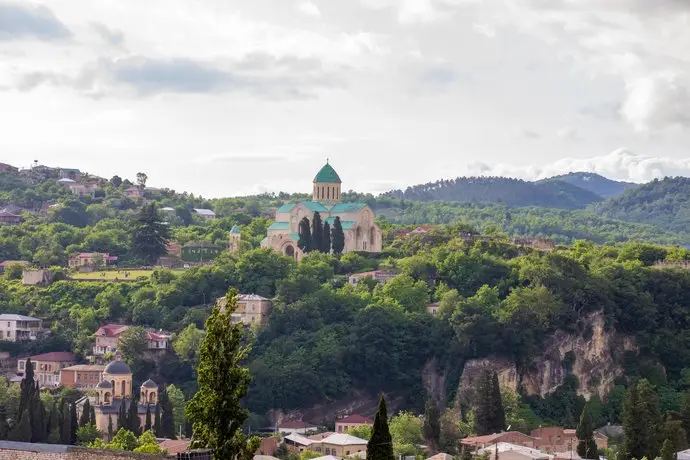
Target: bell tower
x,y
327,185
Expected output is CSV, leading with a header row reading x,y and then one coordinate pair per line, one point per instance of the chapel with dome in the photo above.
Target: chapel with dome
x,y
357,219
115,389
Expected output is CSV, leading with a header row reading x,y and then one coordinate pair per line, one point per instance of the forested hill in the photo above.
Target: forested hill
x,y
508,191
595,183
664,203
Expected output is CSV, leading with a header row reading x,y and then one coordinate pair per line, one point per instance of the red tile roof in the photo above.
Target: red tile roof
x,y
294,424
55,356
356,418
111,330
175,446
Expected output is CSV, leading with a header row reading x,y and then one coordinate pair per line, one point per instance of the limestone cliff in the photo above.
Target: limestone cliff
x,y
595,358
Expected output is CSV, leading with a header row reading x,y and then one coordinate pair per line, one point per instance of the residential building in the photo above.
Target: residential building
x,y
351,421
542,244
174,249
9,218
553,439
134,192
200,251
380,276
35,277
115,389
509,451
358,220
91,260
47,366
337,444
81,190
14,328
252,309
205,213
7,263
69,173
441,456
432,308
295,426
82,376
511,437
107,338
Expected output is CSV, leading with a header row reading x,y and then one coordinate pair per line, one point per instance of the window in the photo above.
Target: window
x,y
21,365
318,449
328,451
347,452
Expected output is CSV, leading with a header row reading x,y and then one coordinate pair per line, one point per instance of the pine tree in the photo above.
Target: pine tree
x,y
147,423
85,417
380,446
215,410
641,421
432,423
122,421
157,422
150,235
337,237
316,232
110,427
22,431
326,244
304,232
586,446
74,423
133,422
4,427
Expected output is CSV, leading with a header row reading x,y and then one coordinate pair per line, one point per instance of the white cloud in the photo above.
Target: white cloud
x,y
621,164
308,8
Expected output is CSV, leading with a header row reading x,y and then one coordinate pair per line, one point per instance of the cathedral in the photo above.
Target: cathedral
x,y
357,219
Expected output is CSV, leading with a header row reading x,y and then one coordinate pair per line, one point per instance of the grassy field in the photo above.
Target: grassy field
x,y
112,275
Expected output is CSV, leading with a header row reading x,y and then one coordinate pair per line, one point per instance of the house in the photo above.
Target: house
x,y
377,275
542,244
432,308
175,446
9,218
107,338
174,249
14,328
81,190
205,213
512,437
200,251
81,376
35,277
4,167
251,309
441,456
134,192
340,445
7,263
91,260
351,421
295,426
47,366
558,439
509,451
69,173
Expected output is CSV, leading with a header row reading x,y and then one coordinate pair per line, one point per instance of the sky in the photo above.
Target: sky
x,y
224,98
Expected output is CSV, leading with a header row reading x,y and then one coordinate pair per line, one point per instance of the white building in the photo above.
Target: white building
x,y
15,328
205,213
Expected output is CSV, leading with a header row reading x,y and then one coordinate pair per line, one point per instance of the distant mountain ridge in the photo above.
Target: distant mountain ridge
x,y
595,183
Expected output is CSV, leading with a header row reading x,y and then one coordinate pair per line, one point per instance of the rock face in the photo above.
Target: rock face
x,y
594,357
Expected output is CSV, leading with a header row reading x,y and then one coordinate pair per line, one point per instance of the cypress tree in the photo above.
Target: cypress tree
x,y
27,388
483,422
4,427
498,418
586,446
85,417
167,419
685,414
122,421
316,232
326,244
157,422
92,415
65,435
337,237
53,426
641,421
74,423
147,423
432,423
22,431
110,427
133,422
304,242
37,417
380,446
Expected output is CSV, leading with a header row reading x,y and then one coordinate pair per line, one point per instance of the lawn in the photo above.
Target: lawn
x,y
112,275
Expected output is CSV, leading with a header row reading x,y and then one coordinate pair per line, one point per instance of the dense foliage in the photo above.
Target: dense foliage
x,y
595,183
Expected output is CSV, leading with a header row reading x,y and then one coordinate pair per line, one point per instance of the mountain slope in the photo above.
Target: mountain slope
x,y
511,192
595,183
664,203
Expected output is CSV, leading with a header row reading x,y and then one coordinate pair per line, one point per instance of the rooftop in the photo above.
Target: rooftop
x,y
342,439
13,317
235,229
204,212
279,226
175,446
299,439
327,175
251,297
356,418
55,356
347,207
295,424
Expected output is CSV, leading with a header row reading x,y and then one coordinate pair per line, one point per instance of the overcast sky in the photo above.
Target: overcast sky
x,y
222,98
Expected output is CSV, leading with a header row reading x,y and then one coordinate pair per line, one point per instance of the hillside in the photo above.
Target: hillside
x,y
595,183
664,203
511,192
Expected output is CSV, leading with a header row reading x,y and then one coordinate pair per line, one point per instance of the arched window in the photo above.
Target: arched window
x,y
122,388
106,398
289,251
112,383
152,397
372,236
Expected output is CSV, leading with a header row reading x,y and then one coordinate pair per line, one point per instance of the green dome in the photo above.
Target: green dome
x,y
327,175
235,229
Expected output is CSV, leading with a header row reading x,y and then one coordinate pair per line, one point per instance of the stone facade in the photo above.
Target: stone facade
x,y
32,451
357,219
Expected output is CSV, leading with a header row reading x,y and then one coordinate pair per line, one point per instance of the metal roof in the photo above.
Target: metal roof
x,y
13,317
327,175
204,212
